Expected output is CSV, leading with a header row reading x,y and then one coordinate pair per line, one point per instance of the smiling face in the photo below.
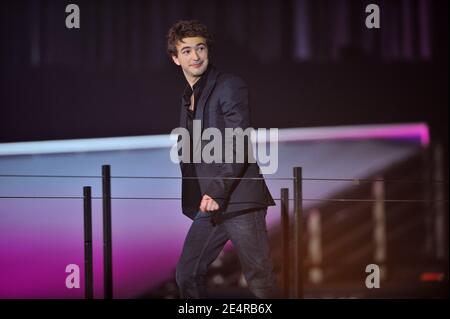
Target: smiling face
x,y
192,56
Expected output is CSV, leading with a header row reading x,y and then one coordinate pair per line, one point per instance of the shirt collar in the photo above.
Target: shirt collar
x,y
197,88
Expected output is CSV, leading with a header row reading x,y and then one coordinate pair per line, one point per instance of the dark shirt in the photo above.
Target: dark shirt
x,y
192,191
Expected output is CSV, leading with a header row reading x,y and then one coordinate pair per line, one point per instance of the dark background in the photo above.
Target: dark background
x,y
306,62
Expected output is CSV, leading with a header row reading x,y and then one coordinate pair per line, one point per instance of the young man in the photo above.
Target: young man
x,y
222,206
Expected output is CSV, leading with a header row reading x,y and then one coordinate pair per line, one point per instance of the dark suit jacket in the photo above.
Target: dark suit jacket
x,y
224,104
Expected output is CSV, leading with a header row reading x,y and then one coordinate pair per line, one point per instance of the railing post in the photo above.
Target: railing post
x,y
298,234
285,240
107,237
440,227
314,246
427,190
379,229
88,276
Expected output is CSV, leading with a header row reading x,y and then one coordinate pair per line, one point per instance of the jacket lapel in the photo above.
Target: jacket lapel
x,y
182,114
210,83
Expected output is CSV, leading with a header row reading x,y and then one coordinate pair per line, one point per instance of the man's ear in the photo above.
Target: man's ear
x,y
175,60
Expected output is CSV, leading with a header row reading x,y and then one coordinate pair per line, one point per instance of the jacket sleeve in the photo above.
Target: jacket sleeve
x,y
236,114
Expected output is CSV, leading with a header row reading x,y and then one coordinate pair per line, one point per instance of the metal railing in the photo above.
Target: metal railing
x,y
295,262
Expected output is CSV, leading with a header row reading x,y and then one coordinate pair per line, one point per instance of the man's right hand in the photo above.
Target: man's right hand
x,y
208,204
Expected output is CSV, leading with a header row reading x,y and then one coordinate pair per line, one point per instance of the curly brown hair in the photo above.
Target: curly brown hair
x,y
184,29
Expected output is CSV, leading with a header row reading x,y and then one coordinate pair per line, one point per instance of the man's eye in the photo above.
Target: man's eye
x,y
186,52
201,48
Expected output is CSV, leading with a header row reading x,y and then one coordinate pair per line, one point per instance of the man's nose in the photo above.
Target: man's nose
x,y
196,56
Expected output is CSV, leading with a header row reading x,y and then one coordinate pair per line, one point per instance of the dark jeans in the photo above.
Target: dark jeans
x,y
205,241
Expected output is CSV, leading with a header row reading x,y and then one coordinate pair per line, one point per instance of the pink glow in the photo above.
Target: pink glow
x,y
418,131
